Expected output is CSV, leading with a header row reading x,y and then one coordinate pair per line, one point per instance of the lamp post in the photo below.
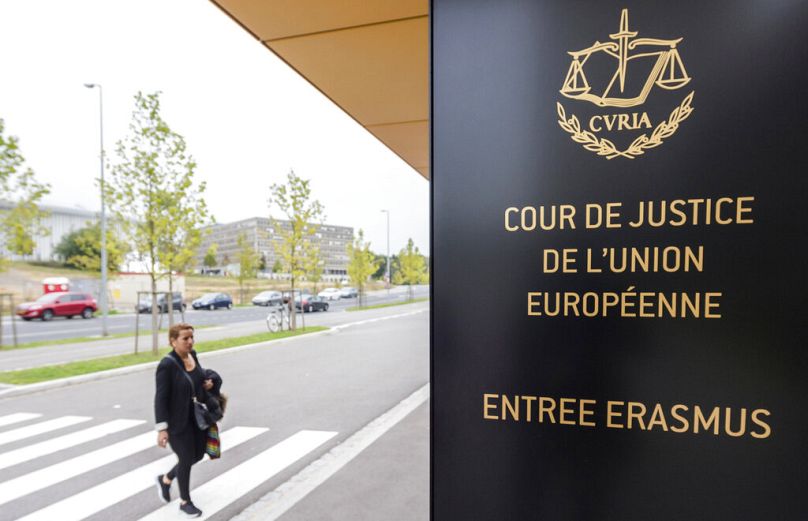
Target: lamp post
x,y
388,249
103,292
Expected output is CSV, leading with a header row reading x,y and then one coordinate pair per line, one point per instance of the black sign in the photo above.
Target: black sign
x,y
619,260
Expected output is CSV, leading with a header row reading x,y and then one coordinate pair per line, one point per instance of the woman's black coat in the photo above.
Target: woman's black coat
x,y
172,398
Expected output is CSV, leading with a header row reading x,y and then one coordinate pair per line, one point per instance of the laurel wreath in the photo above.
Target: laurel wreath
x,y
604,147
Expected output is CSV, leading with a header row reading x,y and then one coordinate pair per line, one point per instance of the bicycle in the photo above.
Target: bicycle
x,y
277,318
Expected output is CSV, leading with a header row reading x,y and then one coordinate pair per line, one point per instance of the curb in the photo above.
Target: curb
x,y
111,373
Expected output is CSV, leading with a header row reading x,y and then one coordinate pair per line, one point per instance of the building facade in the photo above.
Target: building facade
x,y
260,233
59,222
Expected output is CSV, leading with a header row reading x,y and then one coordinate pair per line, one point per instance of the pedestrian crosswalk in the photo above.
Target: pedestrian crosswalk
x,y
87,457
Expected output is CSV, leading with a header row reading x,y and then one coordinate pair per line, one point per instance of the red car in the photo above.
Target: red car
x,y
65,304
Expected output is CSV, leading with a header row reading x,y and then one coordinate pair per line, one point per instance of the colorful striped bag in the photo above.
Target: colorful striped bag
x,y
213,448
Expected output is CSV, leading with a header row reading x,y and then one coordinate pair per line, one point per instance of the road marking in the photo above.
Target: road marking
x,y
17,417
37,480
63,442
370,320
40,428
276,503
95,499
236,482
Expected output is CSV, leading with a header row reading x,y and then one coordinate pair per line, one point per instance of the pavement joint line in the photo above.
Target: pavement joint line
x,y
19,390
276,503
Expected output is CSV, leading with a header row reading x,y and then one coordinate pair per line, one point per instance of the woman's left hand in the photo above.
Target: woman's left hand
x,y
207,384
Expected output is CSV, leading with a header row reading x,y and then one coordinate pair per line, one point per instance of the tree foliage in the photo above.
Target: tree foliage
x,y
361,264
411,267
247,261
19,187
210,256
81,249
294,244
154,197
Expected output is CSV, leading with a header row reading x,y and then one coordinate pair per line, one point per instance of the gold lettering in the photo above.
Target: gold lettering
x,y
508,226
533,304
548,409
700,421
658,418
767,430
586,412
681,419
487,405
564,411
512,407
611,414
632,415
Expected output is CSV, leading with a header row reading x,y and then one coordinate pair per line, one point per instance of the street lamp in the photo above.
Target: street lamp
x,y
104,306
388,249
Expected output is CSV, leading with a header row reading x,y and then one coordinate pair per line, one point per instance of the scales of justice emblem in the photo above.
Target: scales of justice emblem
x,y
657,61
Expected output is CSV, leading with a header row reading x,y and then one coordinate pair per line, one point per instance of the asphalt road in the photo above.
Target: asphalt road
x,y
290,404
63,328
14,359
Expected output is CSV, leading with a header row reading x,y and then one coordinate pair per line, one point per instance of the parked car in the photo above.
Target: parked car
x,y
318,303
63,304
213,301
347,293
303,302
268,298
297,292
330,294
145,304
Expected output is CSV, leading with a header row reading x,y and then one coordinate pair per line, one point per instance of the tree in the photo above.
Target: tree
x,y
151,176
22,221
262,262
294,245
361,264
81,248
187,214
277,267
412,268
247,261
381,262
210,256
314,268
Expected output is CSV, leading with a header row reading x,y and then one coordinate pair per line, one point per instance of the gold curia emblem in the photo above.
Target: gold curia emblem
x,y
623,73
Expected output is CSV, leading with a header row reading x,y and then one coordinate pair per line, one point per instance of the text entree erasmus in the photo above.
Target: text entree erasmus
x,y
613,414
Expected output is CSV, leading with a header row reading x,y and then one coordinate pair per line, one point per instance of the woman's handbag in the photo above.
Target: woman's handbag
x,y
201,414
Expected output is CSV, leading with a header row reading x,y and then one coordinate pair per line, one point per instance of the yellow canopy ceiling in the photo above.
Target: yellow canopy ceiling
x,y
371,57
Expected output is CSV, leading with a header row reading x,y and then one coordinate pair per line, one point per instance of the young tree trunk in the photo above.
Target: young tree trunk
x,y
292,307
154,325
170,303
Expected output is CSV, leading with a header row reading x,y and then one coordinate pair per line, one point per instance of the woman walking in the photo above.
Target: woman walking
x,y
179,379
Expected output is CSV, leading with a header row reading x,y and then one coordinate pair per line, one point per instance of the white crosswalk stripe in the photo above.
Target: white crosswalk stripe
x,y
91,499
40,428
46,447
37,480
225,489
17,417
95,499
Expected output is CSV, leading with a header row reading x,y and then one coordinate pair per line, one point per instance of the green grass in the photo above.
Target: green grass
x,y
74,340
388,304
53,372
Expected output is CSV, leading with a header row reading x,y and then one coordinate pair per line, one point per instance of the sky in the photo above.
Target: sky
x,y
246,116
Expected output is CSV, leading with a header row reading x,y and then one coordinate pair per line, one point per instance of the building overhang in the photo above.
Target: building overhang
x,y
370,58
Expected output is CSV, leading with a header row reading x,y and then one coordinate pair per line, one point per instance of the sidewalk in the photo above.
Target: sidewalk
x,y
387,481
